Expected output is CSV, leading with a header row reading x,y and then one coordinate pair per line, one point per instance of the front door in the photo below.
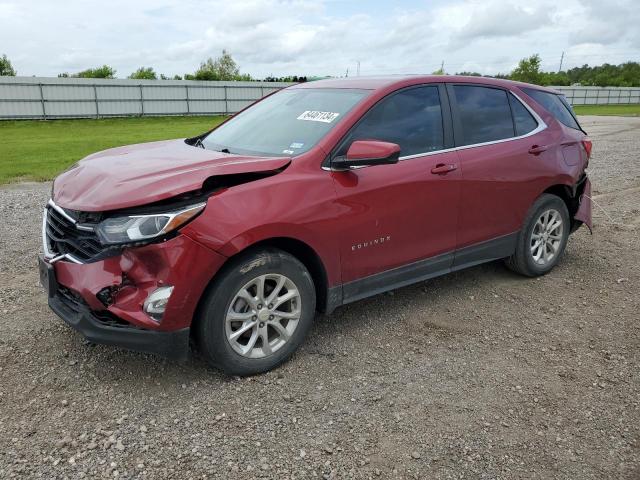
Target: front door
x,y
398,216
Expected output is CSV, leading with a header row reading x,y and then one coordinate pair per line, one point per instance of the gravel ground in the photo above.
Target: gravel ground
x,y
479,374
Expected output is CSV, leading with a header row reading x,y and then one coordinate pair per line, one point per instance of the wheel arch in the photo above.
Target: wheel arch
x,y
309,258
297,248
568,194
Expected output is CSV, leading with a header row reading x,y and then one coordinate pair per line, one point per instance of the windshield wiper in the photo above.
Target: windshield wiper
x,y
198,143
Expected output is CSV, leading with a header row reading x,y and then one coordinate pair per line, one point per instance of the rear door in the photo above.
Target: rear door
x,y
396,215
494,133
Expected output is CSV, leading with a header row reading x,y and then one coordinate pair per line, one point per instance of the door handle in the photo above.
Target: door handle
x,y
537,149
443,168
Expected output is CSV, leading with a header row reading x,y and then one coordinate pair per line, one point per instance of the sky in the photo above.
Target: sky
x,y
315,37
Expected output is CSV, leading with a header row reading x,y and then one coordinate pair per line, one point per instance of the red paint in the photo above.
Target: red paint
x,y
404,202
180,262
139,174
500,182
364,149
359,222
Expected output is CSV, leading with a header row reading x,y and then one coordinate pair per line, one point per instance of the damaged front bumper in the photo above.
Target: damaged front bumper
x,y
97,327
105,300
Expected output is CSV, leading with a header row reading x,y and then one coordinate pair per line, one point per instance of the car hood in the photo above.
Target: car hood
x,y
148,172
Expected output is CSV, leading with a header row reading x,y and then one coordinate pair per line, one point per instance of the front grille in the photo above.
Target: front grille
x,y
63,237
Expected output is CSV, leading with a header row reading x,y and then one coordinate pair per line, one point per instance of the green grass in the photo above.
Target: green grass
x,y
620,110
39,150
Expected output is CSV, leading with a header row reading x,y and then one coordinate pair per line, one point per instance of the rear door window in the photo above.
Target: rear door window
x,y
484,113
411,118
522,118
555,105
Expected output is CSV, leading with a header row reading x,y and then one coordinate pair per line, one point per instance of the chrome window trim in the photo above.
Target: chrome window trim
x,y
541,126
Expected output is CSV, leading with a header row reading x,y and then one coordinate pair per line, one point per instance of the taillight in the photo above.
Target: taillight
x,y
586,143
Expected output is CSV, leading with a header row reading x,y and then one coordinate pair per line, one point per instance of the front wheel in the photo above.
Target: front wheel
x,y
543,238
256,313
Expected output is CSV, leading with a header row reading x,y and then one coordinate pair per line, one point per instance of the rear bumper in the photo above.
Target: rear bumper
x,y
108,331
584,210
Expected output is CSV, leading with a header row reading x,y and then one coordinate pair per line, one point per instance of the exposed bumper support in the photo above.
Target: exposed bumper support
x,y
173,345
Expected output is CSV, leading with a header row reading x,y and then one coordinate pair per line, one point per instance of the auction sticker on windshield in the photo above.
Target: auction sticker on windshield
x,y
316,116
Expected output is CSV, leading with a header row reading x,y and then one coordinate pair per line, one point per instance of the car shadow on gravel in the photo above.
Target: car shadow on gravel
x,y
111,364
448,307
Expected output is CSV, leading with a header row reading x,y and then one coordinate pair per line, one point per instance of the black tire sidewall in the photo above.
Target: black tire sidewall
x,y
545,203
211,335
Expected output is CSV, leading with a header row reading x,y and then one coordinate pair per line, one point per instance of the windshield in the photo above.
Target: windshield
x,y
287,123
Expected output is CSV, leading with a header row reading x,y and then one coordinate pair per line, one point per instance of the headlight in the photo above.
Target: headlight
x,y
138,228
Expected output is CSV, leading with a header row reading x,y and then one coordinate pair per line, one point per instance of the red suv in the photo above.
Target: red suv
x,y
318,195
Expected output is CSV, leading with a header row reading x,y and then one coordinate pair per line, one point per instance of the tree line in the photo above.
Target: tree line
x,y
222,68
528,70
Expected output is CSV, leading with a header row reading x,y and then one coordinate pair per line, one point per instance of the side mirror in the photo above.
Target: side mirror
x,y
367,152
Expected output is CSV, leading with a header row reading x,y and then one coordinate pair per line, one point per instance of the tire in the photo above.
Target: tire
x,y
236,330
527,259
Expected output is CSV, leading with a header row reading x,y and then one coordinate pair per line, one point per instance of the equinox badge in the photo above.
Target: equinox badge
x,y
369,243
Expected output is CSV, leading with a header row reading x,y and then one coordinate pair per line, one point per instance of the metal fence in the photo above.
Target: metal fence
x,y
45,98
601,95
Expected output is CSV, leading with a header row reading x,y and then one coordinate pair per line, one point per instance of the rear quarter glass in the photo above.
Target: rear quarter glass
x,y
556,105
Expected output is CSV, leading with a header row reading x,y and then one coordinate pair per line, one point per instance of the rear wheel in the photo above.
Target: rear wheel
x,y
543,239
257,313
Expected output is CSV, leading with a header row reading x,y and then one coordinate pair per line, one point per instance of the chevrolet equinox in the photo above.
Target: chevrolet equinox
x,y
318,195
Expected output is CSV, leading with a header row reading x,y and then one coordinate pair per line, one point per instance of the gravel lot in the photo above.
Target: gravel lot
x,y
479,374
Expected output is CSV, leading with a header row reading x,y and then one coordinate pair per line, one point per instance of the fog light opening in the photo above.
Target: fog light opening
x,y
156,303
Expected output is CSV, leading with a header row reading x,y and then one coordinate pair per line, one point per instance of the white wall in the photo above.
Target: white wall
x,y
42,98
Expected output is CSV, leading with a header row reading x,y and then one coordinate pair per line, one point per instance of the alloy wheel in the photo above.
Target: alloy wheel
x,y
546,237
263,315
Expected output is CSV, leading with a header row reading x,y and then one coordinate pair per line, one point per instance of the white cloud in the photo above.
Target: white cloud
x,y
314,37
489,20
597,27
